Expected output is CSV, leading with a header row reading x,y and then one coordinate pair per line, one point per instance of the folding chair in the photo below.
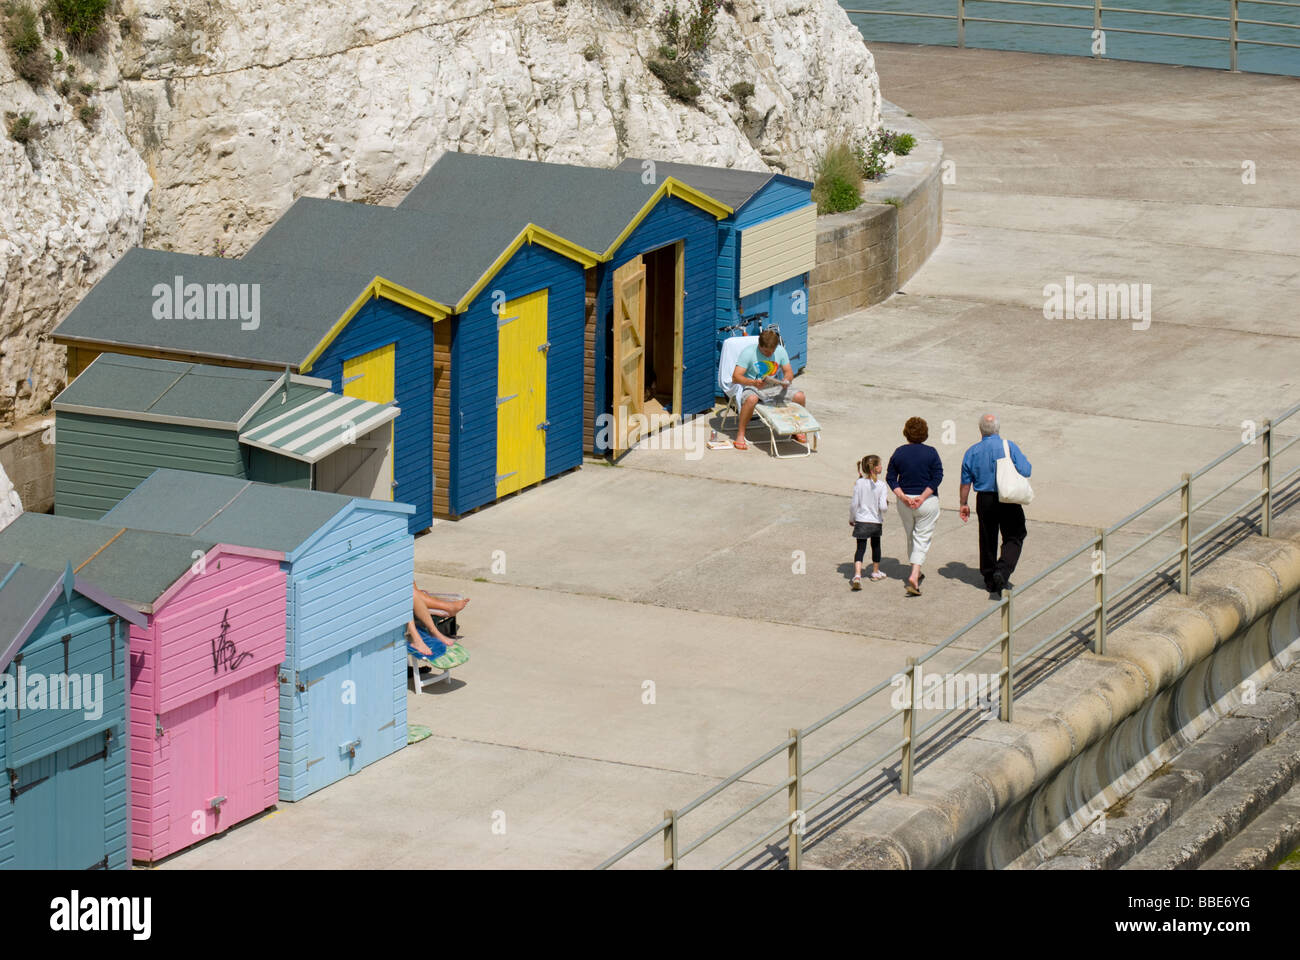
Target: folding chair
x,y
783,421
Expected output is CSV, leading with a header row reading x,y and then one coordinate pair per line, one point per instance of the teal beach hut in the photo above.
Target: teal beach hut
x,y
64,740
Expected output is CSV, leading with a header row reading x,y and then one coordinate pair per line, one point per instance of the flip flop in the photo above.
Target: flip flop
x,y
740,444
801,437
911,590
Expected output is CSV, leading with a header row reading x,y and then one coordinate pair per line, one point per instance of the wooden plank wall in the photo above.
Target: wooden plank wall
x,y
589,366
442,419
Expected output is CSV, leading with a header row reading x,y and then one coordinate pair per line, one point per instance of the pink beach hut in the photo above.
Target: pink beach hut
x,y
204,697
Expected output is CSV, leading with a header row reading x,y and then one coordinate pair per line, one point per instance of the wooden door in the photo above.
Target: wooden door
x,y
188,747
242,752
59,809
629,355
521,393
373,376
363,469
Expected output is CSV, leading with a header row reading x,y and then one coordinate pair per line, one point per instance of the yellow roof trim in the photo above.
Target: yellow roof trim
x,y
671,187
530,234
378,287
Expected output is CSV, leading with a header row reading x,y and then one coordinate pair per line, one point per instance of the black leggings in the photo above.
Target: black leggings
x,y
862,549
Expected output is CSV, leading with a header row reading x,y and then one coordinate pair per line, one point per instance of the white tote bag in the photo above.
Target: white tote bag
x,y
1012,487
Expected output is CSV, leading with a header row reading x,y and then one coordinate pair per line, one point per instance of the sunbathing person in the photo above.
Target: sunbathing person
x,y
423,619
441,606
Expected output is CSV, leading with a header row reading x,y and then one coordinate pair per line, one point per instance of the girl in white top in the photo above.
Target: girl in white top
x,y
866,514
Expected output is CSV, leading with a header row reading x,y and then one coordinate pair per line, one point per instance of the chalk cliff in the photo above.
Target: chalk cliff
x,y
213,116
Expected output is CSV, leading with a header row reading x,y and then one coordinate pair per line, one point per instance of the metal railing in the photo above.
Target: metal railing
x,y
1089,623
1098,28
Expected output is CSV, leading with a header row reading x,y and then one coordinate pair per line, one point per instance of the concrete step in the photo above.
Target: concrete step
x,y
1137,819
1268,839
1215,819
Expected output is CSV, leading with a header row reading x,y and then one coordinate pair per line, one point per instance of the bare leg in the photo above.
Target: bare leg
x,y
857,569
414,639
421,611
746,411
799,398
442,605
915,578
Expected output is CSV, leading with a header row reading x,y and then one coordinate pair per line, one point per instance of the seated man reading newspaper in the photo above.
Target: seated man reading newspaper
x,y
763,370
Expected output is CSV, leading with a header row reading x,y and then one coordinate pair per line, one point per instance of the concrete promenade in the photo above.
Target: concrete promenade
x,y
721,580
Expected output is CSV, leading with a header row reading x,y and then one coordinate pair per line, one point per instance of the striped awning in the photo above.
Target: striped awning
x,y
315,426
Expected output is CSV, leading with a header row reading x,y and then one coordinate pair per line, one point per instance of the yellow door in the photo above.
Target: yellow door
x,y
373,376
521,393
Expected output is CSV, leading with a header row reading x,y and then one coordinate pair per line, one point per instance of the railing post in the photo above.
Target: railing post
x,y
1005,692
1185,533
905,769
961,23
1099,591
1266,476
670,838
795,793
1232,35
1096,22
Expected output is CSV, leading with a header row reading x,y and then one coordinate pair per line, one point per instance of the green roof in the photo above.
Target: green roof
x,y
167,389
135,566
436,256
584,205
23,590
227,510
297,307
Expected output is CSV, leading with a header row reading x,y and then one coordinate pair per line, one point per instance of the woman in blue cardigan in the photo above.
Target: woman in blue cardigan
x,y
914,474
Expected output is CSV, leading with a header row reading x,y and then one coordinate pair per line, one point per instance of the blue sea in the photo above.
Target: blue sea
x,y
1119,46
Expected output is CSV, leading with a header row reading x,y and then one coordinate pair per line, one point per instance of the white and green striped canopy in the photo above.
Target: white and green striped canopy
x,y
310,423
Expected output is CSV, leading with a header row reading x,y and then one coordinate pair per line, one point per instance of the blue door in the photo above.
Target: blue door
x,y
59,811
328,720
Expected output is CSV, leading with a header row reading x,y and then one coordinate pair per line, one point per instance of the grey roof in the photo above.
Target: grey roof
x,y
297,307
134,566
167,389
23,591
584,205
437,256
735,188
227,510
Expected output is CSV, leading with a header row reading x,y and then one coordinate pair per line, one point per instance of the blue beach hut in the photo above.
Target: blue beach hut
x,y
650,316
64,745
373,337
767,247
350,566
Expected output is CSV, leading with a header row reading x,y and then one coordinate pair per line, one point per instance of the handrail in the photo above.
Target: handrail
x,y
1099,27
1261,503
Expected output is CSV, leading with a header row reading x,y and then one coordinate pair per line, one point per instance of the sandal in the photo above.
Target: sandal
x,y
911,590
801,437
857,584
740,444
879,575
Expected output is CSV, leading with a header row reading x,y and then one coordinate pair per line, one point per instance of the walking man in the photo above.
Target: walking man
x,y
979,470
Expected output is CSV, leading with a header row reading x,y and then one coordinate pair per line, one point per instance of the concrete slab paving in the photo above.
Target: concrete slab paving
x,y
683,571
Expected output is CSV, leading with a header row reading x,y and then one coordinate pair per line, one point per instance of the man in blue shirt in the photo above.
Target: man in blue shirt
x,y
763,369
979,469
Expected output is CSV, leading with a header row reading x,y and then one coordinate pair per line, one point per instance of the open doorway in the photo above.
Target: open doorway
x,y
662,300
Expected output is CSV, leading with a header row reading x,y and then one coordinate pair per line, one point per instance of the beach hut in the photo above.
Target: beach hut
x,y
373,337
63,727
203,692
767,247
125,417
349,565
504,381
648,350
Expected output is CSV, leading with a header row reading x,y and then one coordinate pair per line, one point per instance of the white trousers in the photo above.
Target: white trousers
x,y
918,527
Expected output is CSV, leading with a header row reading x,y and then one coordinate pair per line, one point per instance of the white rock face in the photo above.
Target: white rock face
x,y
237,107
